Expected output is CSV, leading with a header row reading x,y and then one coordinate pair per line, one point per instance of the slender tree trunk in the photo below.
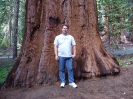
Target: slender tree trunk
x,y
10,32
16,13
10,29
44,19
131,36
10,24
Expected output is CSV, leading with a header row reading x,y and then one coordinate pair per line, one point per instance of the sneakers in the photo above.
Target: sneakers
x,y
62,85
73,85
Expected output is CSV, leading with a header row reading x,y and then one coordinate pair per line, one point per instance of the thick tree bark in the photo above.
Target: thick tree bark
x,y
44,19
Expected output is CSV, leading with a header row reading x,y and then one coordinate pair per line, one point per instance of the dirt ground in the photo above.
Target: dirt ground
x,y
111,87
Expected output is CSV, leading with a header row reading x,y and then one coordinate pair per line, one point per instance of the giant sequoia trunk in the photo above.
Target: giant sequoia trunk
x,y
44,18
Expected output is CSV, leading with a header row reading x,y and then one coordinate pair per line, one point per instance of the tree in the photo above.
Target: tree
x,y
5,11
131,38
116,13
7,19
16,13
21,21
44,18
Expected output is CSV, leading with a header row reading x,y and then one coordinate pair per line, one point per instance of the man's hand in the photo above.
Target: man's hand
x,y
56,58
74,51
73,56
56,52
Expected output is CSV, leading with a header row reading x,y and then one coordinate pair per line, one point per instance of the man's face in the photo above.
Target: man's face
x,y
64,29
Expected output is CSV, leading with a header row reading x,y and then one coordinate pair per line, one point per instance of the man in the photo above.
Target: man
x,y
65,51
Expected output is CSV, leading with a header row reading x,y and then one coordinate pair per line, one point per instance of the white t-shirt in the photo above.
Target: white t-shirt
x,y
64,43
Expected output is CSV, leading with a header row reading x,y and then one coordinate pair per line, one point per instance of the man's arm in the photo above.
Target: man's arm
x,y
56,52
74,51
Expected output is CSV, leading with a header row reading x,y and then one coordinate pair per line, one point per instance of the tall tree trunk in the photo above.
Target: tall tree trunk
x,y
16,13
131,36
10,24
44,19
10,32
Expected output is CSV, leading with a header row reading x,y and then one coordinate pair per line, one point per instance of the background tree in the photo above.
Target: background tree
x,y
44,18
21,21
131,3
117,18
7,19
4,19
15,32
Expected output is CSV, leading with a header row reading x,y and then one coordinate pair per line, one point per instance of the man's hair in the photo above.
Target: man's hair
x,y
65,25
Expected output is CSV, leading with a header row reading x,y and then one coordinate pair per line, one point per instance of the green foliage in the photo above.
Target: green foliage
x,y
5,43
118,13
125,60
121,62
5,67
3,73
115,32
7,20
101,26
130,59
3,54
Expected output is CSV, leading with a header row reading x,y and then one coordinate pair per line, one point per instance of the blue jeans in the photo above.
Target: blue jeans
x,y
68,62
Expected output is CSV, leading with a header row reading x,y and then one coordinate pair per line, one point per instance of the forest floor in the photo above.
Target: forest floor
x,y
107,87
110,87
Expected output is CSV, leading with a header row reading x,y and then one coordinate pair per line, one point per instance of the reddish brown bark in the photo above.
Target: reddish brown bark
x,y
44,19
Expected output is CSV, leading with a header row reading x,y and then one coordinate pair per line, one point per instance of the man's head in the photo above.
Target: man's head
x,y
65,29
